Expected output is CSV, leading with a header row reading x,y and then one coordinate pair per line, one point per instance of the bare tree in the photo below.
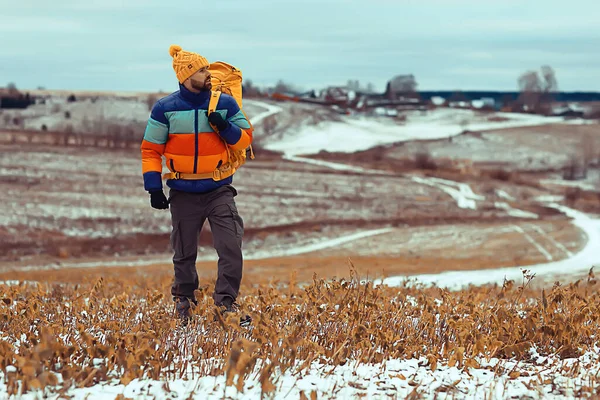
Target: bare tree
x,y
151,100
282,87
549,84
353,85
530,87
249,90
537,89
12,88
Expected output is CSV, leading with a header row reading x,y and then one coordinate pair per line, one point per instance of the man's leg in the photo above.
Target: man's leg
x,y
187,217
227,229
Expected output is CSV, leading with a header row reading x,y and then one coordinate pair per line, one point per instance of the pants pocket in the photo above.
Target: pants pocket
x,y
238,222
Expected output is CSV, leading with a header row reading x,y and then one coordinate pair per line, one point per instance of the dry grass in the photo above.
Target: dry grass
x,y
124,329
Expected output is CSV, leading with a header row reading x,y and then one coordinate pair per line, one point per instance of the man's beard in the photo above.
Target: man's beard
x,y
200,85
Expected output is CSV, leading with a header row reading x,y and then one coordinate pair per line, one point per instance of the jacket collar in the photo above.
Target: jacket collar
x,y
194,98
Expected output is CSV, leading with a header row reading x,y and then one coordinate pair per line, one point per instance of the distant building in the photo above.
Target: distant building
x,y
569,111
484,102
438,101
401,86
338,95
12,98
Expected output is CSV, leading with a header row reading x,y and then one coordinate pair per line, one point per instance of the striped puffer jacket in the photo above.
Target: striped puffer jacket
x,y
178,129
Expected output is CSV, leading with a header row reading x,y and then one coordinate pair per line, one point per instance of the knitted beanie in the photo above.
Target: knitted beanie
x,y
186,63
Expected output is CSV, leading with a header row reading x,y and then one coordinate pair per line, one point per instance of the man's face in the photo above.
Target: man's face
x,y
201,80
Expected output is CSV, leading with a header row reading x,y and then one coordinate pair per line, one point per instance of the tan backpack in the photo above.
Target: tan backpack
x,y
226,78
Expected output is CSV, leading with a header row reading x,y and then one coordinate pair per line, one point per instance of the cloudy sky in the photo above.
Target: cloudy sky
x,y
446,44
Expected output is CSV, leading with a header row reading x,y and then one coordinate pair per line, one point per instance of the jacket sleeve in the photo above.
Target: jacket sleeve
x,y
239,133
153,147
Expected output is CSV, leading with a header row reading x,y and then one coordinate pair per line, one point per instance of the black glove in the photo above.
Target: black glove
x,y
158,200
217,120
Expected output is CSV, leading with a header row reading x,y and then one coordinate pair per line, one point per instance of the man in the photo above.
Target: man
x,y
180,130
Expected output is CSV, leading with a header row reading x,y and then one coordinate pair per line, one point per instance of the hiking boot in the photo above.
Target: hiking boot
x,y
234,309
183,308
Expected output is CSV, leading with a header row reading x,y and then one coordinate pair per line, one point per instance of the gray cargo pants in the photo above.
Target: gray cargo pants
x,y
189,211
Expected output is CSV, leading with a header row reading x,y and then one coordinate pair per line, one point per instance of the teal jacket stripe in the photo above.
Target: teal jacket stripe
x,y
182,122
240,120
156,132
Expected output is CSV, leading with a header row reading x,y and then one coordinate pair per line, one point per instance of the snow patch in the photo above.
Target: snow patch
x,y
579,263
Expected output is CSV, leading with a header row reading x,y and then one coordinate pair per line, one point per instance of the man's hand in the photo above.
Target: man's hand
x,y
217,120
158,200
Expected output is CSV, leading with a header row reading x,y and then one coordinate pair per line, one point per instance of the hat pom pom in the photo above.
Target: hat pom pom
x,y
174,49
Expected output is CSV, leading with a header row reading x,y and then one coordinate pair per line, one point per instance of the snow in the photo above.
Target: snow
x,y
514,212
578,263
576,184
270,110
534,243
461,192
438,100
320,245
355,133
316,245
17,283
395,378
501,193
551,240
336,166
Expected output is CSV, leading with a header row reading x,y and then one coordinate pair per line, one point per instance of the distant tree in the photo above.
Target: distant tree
x,y
283,87
353,84
67,114
536,90
71,98
12,88
44,127
549,83
530,88
248,89
151,100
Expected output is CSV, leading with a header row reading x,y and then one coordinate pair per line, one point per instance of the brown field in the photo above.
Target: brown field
x,y
119,327
90,258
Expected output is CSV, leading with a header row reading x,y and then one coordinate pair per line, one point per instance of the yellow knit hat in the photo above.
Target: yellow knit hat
x,y
186,63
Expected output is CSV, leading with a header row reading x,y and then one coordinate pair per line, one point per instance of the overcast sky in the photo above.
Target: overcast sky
x,y
446,44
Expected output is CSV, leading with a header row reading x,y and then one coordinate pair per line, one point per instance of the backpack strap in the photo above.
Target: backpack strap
x,y
215,95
